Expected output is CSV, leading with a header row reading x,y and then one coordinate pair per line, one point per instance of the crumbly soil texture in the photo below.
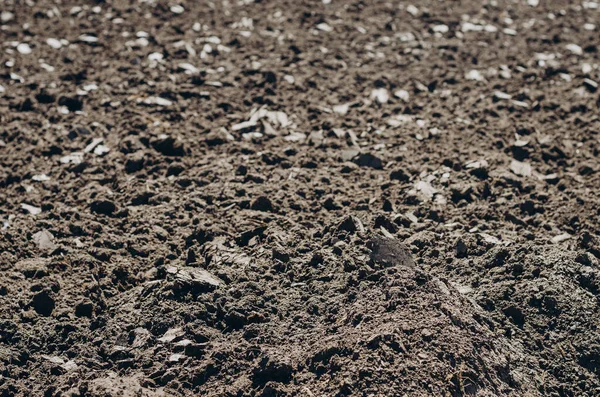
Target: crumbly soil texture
x,y
299,198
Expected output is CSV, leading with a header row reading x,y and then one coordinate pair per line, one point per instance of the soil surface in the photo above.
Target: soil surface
x,y
299,198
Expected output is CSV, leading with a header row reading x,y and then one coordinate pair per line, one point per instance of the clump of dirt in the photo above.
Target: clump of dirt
x,y
258,198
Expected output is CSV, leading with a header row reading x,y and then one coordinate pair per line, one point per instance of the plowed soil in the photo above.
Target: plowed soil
x,y
299,198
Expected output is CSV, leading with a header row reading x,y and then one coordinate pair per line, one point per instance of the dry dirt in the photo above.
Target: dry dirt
x,y
299,198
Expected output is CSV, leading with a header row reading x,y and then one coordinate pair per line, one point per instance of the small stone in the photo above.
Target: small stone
x,y
349,154
324,27
6,16
101,150
69,366
590,85
427,335
54,43
441,28
575,49
474,75
32,268
73,158
402,94
156,101
560,238
175,357
177,9
426,190
197,279
44,240
412,10
498,95
341,109
24,49
381,95
31,209
520,168
92,145
171,335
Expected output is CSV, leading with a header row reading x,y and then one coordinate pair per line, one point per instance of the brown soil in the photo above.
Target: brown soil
x,y
277,198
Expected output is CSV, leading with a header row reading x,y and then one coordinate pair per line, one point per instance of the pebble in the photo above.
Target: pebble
x,y
157,101
426,189
54,43
324,27
177,9
198,279
381,95
441,29
31,209
498,95
341,109
6,16
24,49
412,10
44,240
520,168
188,68
474,75
560,238
590,84
402,94
73,158
171,335
575,49
40,178
88,38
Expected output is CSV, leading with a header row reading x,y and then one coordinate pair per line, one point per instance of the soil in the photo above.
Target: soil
x,y
312,198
